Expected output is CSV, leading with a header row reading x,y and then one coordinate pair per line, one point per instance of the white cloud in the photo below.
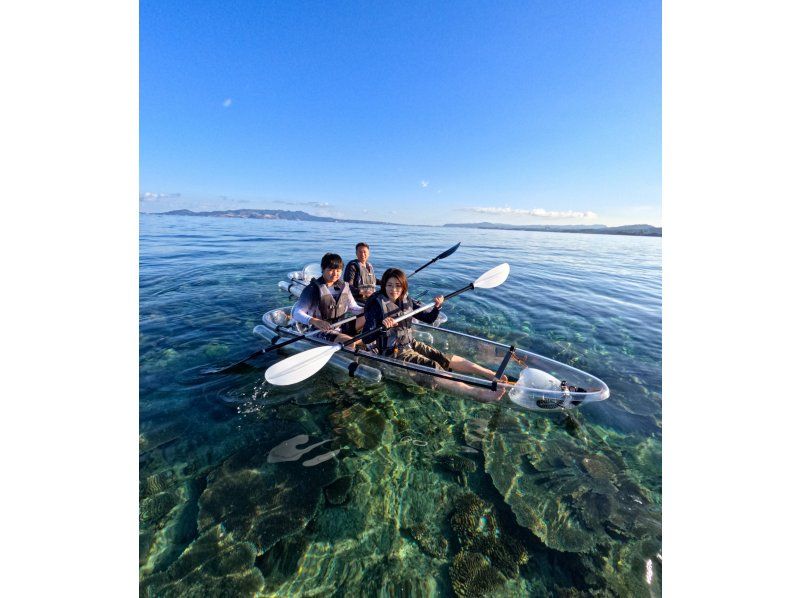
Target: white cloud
x,y
148,196
424,184
537,212
227,103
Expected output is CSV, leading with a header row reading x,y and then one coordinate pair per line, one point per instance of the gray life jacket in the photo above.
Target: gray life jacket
x,y
366,273
331,309
399,337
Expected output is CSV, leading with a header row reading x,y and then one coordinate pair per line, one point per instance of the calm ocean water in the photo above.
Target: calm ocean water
x,y
333,487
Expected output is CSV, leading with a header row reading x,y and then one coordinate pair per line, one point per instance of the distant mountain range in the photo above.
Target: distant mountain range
x,y
267,215
642,230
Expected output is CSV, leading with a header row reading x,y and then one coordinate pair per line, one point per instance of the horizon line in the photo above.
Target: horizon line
x,y
598,226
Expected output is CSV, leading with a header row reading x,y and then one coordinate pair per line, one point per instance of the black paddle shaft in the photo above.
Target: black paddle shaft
x,y
261,352
299,338
469,287
441,256
275,346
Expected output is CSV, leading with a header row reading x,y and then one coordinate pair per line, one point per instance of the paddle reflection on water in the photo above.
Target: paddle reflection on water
x,y
289,450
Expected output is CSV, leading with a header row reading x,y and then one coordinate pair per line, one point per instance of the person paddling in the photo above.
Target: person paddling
x,y
326,299
399,342
360,274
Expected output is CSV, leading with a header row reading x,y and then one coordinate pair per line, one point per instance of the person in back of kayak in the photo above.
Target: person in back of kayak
x,y
399,342
326,300
360,274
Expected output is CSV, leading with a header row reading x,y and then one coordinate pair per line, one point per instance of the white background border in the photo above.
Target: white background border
x,y
70,264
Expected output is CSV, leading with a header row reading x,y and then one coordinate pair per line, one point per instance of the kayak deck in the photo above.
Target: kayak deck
x,y
535,380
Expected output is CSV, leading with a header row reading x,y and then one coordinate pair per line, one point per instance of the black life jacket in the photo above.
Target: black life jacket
x,y
399,337
331,309
366,273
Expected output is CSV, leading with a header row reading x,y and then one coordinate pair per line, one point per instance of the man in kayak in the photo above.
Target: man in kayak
x,y
360,274
326,300
399,342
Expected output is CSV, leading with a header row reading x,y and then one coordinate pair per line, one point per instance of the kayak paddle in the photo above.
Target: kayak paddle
x,y
304,365
233,366
273,347
441,256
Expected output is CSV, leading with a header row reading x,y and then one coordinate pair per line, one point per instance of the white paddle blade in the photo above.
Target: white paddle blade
x,y
493,278
299,367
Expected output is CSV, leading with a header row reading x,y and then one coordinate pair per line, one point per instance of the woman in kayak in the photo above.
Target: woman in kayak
x,y
398,341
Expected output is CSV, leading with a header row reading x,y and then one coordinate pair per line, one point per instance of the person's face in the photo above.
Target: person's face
x,y
331,275
393,289
362,253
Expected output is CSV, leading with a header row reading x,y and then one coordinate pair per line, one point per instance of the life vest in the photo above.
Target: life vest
x,y
400,336
331,309
366,273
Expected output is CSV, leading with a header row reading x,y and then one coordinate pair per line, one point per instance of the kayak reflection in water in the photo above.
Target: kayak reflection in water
x,y
398,341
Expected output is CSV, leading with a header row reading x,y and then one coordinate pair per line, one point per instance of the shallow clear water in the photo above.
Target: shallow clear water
x,y
332,487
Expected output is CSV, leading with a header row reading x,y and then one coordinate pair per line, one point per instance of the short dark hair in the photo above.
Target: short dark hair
x,y
399,275
362,244
332,260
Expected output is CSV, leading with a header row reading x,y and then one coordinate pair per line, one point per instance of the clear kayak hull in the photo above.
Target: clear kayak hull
x,y
536,382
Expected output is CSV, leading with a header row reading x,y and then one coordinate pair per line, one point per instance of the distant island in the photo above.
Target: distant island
x,y
640,230
266,215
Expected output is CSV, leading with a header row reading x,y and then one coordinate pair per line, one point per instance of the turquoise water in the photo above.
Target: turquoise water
x,y
332,487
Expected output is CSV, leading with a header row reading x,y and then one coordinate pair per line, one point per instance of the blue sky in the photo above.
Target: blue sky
x,y
419,113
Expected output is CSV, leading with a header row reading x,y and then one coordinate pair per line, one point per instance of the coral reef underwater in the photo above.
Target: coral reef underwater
x,y
356,490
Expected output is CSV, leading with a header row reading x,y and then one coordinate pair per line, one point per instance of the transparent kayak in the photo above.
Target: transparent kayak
x,y
298,280
535,382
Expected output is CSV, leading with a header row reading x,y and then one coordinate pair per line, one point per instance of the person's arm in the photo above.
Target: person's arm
x,y
305,311
429,316
352,306
350,274
373,316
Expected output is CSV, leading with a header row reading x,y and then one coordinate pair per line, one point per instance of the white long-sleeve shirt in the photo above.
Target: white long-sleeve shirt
x,y
306,308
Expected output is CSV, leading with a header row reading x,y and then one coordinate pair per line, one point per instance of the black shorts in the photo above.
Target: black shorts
x,y
423,354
